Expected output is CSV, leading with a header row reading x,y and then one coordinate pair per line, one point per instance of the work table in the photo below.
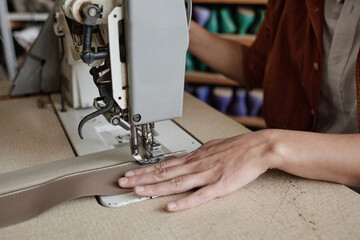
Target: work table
x,y
275,206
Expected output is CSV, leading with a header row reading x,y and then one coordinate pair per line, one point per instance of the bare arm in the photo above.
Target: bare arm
x,y
329,157
222,55
222,166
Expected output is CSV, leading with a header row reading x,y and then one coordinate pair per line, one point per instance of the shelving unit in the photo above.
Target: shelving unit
x,y
206,78
246,39
7,21
197,77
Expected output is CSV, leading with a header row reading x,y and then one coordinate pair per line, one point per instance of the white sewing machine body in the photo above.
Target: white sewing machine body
x,y
156,43
135,51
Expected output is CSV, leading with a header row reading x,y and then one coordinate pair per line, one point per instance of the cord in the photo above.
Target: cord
x,y
189,7
63,109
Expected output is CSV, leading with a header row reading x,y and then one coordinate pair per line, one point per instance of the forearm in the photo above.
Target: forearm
x,y
334,158
222,55
222,166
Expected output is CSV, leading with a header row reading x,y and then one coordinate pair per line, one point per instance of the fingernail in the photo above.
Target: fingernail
x,y
171,205
129,174
123,181
139,189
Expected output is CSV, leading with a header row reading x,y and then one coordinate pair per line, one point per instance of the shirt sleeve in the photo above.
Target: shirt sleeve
x,y
255,57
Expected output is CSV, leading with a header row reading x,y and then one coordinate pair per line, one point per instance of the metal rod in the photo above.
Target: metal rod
x,y
134,141
87,38
9,49
151,132
144,133
63,109
125,125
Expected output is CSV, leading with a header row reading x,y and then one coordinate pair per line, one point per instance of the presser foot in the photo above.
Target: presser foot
x,y
155,159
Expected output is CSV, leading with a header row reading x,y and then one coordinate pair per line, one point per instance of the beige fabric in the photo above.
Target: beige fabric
x,y
5,86
40,174
275,206
22,200
28,192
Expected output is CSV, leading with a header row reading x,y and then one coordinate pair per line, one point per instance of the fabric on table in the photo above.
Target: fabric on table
x,y
27,193
276,205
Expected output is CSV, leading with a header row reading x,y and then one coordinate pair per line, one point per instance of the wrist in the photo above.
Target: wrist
x,y
278,150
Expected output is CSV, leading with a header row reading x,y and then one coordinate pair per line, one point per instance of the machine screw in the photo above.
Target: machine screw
x,y
92,12
137,118
115,121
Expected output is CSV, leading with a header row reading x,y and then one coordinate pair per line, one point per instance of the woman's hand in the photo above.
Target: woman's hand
x,y
218,168
222,166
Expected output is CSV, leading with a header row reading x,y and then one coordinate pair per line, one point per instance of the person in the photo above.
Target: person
x,y
305,58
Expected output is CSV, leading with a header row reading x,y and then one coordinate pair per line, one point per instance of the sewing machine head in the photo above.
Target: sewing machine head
x,y
136,50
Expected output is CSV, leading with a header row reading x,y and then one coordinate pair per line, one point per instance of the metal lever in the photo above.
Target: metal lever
x,y
91,14
95,114
105,96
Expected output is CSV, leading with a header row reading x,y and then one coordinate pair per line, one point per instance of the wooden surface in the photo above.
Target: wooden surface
x,y
205,123
30,135
206,78
258,122
275,206
247,39
5,86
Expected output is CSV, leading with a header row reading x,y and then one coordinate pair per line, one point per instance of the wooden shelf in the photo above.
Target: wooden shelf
x,y
246,39
257,2
257,122
208,78
198,77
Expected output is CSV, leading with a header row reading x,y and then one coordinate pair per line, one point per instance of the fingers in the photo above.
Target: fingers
x,y
195,199
160,173
176,161
175,185
159,165
195,155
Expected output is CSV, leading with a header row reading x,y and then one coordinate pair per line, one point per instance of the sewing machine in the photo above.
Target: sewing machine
x,y
135,50
130,56
127,54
